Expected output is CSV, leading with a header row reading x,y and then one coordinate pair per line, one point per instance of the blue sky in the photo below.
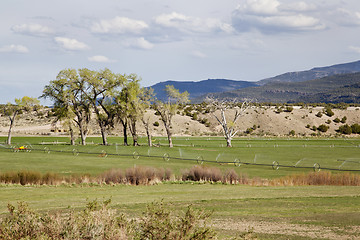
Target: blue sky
x,y
171,39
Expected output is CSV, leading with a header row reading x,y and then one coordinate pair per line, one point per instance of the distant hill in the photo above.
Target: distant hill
x,y
197,89
314,73
334,89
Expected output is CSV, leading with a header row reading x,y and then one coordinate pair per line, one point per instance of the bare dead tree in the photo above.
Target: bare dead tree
x,y
228,125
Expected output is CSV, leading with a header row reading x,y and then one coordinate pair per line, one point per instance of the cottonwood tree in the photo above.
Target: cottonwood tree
x,y
168,109
67,92
13,110
65,115
220,110
147,97
128,107
100,90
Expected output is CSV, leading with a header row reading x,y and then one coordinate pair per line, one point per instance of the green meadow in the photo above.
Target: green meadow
x,y
329,212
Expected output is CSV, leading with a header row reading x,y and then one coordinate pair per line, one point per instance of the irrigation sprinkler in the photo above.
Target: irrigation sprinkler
x,y
200,160
347,161
218,157
255,158
275,165
166,157
136,155
75,152
237,162
46,150
180,152
317,167
299,162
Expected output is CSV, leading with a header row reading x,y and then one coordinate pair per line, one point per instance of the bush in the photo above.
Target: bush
x,y
355,128
336,120
343,120
98,221
289,109
201,173
292,133
345,129
160,223
156,124
319,115
329,112
323,128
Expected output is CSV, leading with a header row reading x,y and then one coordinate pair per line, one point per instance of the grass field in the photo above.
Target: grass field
x,y
302,212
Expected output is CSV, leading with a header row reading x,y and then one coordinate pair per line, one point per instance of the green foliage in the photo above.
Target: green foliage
x,y
323,128
292,133
160,223
336,120
319,115
156,124
98,221
329,112
345,129
343,120
355,128
289,109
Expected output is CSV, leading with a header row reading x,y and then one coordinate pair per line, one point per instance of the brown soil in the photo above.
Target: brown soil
x,y
268,122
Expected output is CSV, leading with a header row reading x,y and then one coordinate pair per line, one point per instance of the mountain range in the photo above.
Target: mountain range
x,y
331,84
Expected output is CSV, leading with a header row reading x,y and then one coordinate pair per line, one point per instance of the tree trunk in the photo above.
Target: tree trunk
x,y
82,135
124,123
169,134
104,135
148,136
228,142
72,137
12,120
132,127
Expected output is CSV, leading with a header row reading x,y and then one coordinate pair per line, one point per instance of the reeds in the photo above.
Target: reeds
x,y
141,175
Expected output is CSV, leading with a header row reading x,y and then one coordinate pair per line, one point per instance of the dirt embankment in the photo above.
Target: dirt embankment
x,y
266,121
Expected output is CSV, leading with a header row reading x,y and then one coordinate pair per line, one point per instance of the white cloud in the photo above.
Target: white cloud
x,y
271,16
260,7
71,44
198,54
346,17
355,49
139,43
119,25
100,59
298,7
14,48
189,24
32,29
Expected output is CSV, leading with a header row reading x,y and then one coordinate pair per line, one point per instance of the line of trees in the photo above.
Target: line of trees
x,y
79,95
113,98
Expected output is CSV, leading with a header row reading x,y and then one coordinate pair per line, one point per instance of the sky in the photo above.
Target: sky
x,y
162,40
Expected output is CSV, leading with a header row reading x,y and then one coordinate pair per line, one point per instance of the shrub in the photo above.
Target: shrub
x,y
292,133
323,128
355,128
202,173
160,223
343,120
289,109
319,115
336,120
329,112
113,176
345,129
156,124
